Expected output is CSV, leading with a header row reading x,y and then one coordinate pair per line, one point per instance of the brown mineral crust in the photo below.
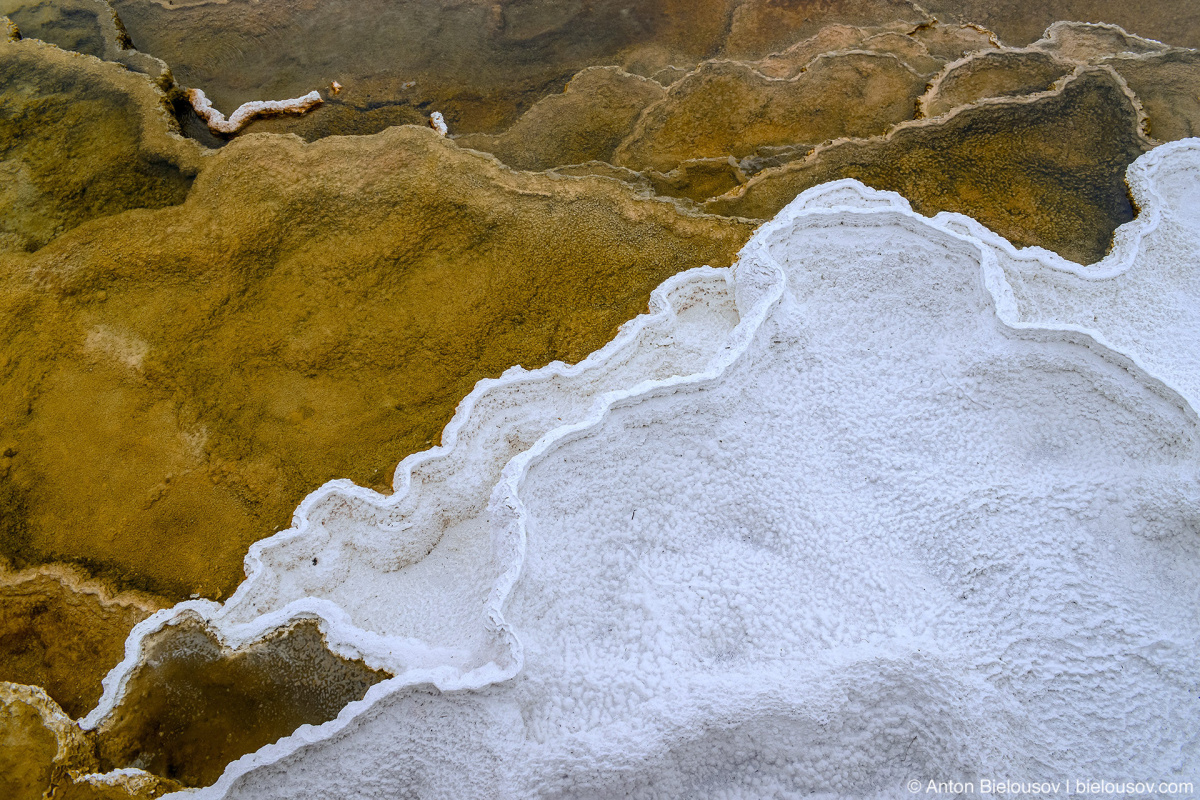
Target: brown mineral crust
x,y
1046,170
635,180
28,748
699,179
1019,22
1000,73
952,42
63,632
1093,42
899,43
727,108
192,706
760,27
1168,86
479,62
176,381
90,27
907,48
80,139
669,74
39,744
788,62
584,123
341,116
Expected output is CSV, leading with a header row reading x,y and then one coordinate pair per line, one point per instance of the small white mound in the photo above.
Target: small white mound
x,y
438,123
895,524
246,112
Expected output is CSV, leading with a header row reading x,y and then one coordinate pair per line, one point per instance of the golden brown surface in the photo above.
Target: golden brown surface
x,y
39,744
727,108
993,74
1093,42
910,44
1048,171
1168,85
698,179
44,754
64,633
584,123
70,24
27,748
760,27
78,140
1019,22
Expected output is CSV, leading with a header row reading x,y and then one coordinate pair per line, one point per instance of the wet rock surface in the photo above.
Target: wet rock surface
x,y
193,706
1008,73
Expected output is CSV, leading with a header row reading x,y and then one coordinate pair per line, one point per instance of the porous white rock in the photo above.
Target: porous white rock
x,y
908,519
1147,307
438,123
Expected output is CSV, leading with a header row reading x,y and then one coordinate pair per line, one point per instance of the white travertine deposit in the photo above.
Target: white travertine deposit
x,y
247,112
889,501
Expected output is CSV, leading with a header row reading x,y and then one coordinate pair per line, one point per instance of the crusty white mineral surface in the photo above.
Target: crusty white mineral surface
x,y
248,112
890,501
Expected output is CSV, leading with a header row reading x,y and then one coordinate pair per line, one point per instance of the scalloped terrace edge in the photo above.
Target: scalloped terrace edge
x,y
158,128
726,204
506,509
1049,45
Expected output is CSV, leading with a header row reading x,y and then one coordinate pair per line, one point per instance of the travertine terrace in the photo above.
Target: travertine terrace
x,y
460,399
